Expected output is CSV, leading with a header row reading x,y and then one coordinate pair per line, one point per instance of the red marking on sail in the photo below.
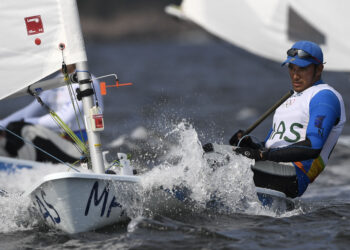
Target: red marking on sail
x,y
34,25
37,41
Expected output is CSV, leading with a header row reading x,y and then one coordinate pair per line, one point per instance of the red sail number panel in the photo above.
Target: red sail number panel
x,y
34,25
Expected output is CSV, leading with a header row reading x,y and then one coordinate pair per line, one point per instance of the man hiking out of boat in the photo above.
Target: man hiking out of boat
x,y
305,127
36,125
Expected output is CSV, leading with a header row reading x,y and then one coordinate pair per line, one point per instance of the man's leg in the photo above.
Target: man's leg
x,y
276,176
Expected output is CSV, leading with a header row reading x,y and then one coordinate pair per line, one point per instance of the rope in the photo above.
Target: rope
x,y
81,146
72,97
42,150
78,143
70,132
240,140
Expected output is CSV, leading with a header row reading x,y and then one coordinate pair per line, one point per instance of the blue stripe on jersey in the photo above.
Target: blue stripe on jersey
x,y
324,112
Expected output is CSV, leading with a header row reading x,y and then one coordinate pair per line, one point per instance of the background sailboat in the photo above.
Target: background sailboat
x,y
268,27
70,201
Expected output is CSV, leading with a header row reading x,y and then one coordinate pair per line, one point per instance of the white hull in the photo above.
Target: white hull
x,y
76,202
80,202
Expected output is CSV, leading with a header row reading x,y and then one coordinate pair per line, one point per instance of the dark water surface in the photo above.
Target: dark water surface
x,y
218,89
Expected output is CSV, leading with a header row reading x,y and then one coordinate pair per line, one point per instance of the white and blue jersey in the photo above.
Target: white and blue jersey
x,y
305,130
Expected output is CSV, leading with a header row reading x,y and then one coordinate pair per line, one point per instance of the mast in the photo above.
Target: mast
x,y
94,139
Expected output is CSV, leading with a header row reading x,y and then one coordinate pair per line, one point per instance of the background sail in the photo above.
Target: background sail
x,y
269,27
29,44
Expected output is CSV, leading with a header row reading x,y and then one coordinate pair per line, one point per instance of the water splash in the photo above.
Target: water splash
x,y
230,187
14,213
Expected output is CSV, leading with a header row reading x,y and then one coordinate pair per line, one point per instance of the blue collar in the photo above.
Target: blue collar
x,y
318,82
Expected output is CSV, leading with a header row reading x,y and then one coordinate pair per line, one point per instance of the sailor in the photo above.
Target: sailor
x,y
35,124
305,128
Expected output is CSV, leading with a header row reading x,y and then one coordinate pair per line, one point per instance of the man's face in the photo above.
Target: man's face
x,y
304,77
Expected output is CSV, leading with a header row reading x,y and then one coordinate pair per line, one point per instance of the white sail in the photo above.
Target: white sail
x,y
269,27
29,44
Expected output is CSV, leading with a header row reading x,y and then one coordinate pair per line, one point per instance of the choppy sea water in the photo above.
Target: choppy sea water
x,y
185,93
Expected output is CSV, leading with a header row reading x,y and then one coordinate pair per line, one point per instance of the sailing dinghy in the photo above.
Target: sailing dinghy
x,y
40,35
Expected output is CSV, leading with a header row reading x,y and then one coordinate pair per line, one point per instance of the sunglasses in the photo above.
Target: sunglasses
x,y
301,54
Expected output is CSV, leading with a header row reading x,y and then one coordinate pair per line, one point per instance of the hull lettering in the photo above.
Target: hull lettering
x,y
96,199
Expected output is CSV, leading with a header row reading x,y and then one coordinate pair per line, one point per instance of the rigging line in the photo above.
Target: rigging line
x,y
40,101
72,97
80,146
78,143
80,114
42,150
63,128
254,137
66,128
74,104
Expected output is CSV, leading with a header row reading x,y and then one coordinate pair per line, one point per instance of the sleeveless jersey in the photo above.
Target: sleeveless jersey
x,y
291,124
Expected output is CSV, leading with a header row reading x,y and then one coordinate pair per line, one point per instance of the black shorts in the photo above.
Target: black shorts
x,y
285,184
